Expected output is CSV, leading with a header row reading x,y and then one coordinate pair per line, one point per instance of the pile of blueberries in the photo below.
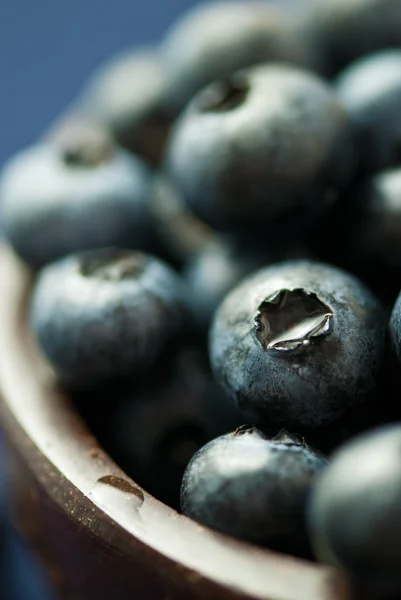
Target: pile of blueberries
x,y
215,229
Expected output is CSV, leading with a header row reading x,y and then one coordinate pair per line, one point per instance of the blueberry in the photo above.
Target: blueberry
x,y
128,95
162,423
355,510
75,193
300,345
253,488
347,30
213,41
267,149
370,90
106,314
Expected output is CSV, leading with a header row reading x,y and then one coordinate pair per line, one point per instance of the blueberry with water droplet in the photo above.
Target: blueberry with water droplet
x,y
300,345
76,191
355,515
253,488
266,150
107,314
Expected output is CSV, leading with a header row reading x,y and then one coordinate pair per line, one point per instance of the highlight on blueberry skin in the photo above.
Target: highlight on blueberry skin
x,y
107,315
267,149
355,511
214,40
370,90
253,488
300,345
77,192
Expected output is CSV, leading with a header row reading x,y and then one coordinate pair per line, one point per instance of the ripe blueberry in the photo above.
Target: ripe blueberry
x,y
253,488
106,314
267,149
75,193
300,345
355,510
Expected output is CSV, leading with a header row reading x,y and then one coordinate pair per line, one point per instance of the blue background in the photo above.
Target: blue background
x,y
49,47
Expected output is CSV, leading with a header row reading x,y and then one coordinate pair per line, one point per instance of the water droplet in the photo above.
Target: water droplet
x,y
119,496
290,319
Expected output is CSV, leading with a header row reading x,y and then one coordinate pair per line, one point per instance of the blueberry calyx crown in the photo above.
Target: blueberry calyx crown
x,y
284,437
224,95
291,319
113,265
243,429
86,150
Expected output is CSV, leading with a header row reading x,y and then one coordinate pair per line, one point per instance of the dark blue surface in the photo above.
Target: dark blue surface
x,y
48,48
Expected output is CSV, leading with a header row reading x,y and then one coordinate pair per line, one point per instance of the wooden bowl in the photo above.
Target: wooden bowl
x,y
99,534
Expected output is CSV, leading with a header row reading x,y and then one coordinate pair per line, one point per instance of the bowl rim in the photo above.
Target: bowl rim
x,y
86,484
